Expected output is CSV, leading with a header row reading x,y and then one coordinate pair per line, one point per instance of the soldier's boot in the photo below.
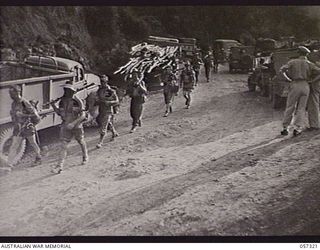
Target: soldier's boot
x,y
140,123
85,160
297,131
167,110
83,145
188,103
38,160
134,128
57,169
170,109
115,134
284,131
99,145
63,154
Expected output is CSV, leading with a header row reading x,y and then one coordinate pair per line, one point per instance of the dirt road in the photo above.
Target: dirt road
x,y
220,168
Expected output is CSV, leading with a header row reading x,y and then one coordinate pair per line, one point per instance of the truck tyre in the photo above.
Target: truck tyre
x,y
5,143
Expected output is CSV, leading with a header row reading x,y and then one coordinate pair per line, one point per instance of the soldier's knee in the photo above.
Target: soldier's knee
x,y
81,141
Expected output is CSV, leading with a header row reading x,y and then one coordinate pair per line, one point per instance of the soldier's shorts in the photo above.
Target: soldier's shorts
x,y
187,91
168,97
67,134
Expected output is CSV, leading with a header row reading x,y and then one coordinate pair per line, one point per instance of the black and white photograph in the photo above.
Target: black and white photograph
x,y
169,120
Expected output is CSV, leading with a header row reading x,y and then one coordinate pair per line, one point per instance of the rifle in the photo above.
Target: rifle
x,y
78,90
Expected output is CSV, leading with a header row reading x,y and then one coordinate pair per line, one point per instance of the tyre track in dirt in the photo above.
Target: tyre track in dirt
x,y
108,212
195,126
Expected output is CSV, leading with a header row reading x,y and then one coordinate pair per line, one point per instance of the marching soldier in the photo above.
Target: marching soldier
x,y
297,72
170,88
188,80
314,96
196,64
107,99
24,117
71,110
137,91
208,65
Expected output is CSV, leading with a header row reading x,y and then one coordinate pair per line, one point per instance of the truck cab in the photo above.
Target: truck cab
x,y
222,48
241,58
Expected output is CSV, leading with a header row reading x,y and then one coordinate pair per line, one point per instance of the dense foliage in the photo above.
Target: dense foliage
x,y
103,34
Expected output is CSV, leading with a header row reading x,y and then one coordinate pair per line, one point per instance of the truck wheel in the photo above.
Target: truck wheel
x,y
5,143
276,101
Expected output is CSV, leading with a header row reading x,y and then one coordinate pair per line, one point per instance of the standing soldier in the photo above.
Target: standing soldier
x,y
297,72
24,117
208,65
313,101
107,98
71,110
196,64
170,88
215,61
313,105
188,79
137,91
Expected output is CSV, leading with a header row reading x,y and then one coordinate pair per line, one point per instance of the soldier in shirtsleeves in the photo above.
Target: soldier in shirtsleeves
x,y
24,117
170,88
187,80
297,71
137,91
314,96
107,98
208,64
71,110
196,64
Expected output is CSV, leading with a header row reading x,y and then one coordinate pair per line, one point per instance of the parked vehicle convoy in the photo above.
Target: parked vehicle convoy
x,y
263,70
188,47
241,58
163,41
221,48
40,79
264,47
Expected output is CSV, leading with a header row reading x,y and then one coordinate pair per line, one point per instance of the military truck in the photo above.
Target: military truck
x,y
153,79
262,71
264,47
221,48
40,78
241,58
188,47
